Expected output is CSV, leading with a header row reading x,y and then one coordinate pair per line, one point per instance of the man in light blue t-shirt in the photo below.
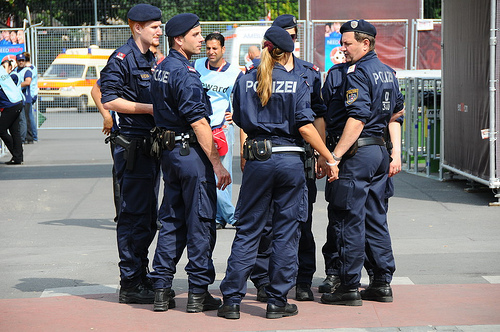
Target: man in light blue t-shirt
x,y
218,77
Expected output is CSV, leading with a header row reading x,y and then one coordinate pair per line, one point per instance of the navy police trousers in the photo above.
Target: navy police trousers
x,y
187,216
278,182
357,209
136,225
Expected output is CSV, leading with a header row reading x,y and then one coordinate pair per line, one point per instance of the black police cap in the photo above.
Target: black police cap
x,y
280,38
285,21
144,12
359,26
181,23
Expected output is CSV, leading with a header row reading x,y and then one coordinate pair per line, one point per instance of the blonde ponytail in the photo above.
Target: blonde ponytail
x,y
265,73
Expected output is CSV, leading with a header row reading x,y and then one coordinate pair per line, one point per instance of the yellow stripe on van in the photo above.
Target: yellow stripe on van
x,y
82,56
43,85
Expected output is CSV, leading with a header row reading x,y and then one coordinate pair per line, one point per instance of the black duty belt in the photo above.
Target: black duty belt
x,y
363,141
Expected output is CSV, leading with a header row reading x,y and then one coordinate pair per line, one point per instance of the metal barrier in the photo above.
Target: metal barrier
x,y
421,128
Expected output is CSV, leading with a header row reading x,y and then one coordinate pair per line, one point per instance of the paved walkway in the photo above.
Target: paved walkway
x,y
58,255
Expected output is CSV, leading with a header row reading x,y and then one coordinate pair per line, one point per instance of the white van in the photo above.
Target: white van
x,y
69,79
239,39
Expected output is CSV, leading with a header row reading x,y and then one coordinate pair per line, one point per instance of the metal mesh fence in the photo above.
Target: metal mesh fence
x,y
69,60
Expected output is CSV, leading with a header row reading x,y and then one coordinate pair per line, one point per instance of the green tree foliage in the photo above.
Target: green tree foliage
x,y
432,9
81,12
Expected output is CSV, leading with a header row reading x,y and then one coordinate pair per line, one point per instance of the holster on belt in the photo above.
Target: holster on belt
x,y
262,150
310,162
247,150
130,147
111,138
389,146
160,140
168,140
352,151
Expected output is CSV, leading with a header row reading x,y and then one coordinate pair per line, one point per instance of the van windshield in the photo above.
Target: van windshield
x,y
64,70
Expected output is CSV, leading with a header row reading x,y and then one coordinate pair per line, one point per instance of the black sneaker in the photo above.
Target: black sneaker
x,y
138,294
303,292
343,296
330,283
229,311
202,302
273,311
261,293
164,299
377,291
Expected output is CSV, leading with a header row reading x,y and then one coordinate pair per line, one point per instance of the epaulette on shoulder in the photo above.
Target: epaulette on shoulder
x,y
351,69
120,55
315,67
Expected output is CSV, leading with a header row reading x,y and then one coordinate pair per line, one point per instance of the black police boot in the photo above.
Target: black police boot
x,y
273,311
343,296
330,283
377,291
303,292
139,294
229,311
261,293
164,299
202,302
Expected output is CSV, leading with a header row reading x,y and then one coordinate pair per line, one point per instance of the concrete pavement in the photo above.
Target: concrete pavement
x,y
58,262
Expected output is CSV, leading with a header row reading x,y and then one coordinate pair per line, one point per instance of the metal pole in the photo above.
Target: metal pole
x,y
493,82
443,113
308,42
95,12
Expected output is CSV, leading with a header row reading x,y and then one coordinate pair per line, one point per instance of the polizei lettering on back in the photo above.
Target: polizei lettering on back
x,y
161,75
383,76
278,86
214,87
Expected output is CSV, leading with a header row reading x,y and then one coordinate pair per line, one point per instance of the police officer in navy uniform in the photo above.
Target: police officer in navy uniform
x,y
125,83
272,105
189,159
334,97
357,209
307,247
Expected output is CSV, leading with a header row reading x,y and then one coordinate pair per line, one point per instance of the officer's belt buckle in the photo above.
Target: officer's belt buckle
x,y
179,138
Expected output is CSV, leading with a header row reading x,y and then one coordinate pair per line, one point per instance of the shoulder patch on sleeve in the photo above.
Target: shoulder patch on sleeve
x,y
191,69
120,55
351,69
351,96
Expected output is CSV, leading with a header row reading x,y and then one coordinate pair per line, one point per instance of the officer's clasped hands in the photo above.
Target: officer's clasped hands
x,y
329,168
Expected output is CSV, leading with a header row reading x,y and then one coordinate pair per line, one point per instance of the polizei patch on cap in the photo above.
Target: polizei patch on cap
x,y
354,24
351,96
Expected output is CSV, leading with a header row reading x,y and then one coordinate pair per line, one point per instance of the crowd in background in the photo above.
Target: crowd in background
x,y
22,127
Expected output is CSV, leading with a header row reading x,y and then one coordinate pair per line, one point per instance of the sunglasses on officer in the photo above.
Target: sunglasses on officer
x,y
294,36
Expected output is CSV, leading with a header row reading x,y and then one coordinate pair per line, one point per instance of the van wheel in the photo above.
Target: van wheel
x,y
82,104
